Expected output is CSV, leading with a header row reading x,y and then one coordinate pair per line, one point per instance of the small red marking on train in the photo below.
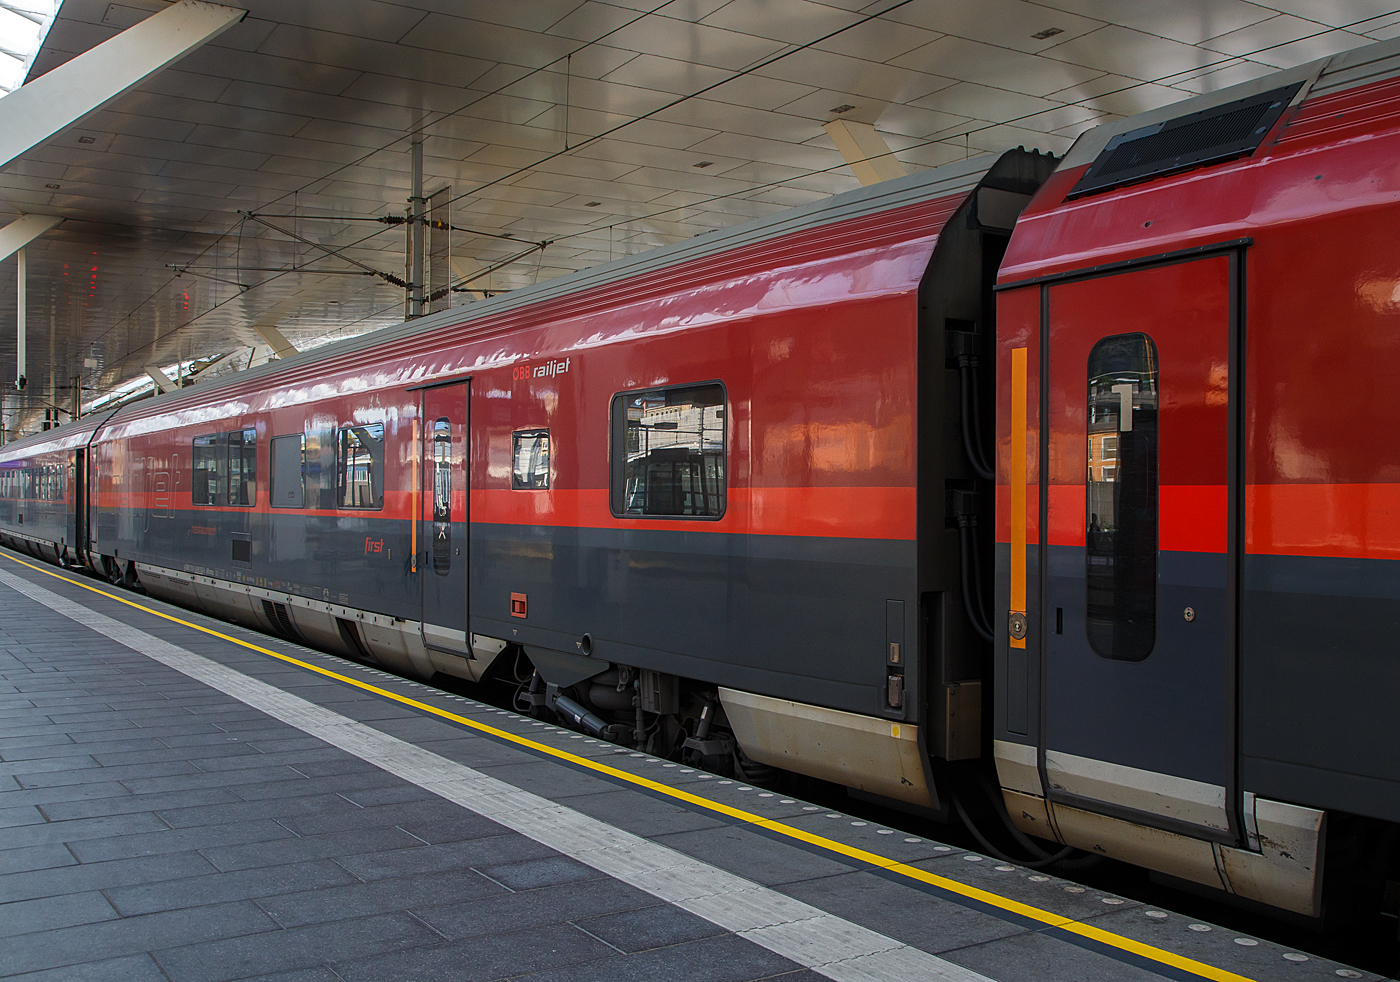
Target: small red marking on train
x,y
517,605
373,545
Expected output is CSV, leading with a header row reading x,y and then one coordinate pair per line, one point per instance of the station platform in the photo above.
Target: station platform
x,y
186,800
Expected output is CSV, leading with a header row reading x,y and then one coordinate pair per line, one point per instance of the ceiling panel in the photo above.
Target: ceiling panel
x,y
547,120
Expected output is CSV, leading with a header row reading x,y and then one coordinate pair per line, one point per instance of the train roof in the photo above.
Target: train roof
x,y
1001,170
1307,83
1086,214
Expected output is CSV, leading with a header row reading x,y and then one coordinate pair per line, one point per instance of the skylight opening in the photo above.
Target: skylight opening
x,y
23,24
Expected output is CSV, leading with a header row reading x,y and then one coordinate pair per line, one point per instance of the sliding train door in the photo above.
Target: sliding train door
x,y
442,519
1139,666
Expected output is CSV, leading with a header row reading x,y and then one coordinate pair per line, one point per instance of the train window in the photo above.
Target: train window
x,y
530,453
288,471
1121,508
360,471
208,461
668,452
243,467
442,495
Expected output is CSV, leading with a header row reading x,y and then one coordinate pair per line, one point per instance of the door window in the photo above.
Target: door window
x,y
442,495
1121,511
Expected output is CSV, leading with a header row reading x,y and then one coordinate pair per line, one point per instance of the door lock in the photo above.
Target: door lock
x,y
1016,624
1189,613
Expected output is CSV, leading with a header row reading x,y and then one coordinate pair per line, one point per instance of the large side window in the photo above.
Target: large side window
x,y
288,471
668,452
208,462
1121,508
360,478
243,467
530,460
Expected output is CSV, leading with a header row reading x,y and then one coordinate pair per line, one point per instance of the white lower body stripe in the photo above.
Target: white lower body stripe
x,y
825,943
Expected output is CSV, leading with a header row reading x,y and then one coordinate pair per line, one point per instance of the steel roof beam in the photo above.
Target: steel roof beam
x,y
870,157
281,347
52,102
24,230
162,381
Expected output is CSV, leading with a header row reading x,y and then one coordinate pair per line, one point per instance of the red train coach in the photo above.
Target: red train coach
x,y
697,500
1198,319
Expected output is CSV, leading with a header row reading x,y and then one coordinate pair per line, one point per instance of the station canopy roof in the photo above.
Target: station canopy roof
x,y
598,129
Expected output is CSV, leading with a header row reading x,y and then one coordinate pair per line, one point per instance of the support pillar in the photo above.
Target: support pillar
x,y
21,302
417,214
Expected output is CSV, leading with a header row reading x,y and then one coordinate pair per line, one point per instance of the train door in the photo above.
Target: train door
x,y
442,562
1139,667
77,507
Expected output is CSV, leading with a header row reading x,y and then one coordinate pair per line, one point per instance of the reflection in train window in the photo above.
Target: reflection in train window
x,y
209,474
668,452
442,495
530,456
1121,509
360,467
243,467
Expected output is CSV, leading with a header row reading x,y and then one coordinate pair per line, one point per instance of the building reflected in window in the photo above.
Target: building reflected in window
x,y
1121,499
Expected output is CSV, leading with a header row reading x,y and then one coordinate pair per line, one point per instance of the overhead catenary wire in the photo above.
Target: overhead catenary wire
x,y
944,137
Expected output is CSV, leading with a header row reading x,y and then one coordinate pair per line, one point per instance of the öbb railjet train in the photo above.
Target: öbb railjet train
x,y
1082,468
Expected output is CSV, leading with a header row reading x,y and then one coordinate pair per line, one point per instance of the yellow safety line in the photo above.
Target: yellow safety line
x,y
1058,921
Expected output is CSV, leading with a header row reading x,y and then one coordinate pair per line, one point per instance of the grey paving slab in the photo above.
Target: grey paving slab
x,y
293,948
15,795
416,816
479,853
127,804
318,974
236,757
546,871
897,908
67,748
24,769
357,845
650,927
54,882
643,814
1038,956
1216,946
132,935
203,837
510,911
128,968
35,857
725,958
312,878
135,774
162,754
399,791
48,738
487,957
285,810
740,851
184,776
357,899
1028,886
82,829
50,913
548,780
18,815
252,790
